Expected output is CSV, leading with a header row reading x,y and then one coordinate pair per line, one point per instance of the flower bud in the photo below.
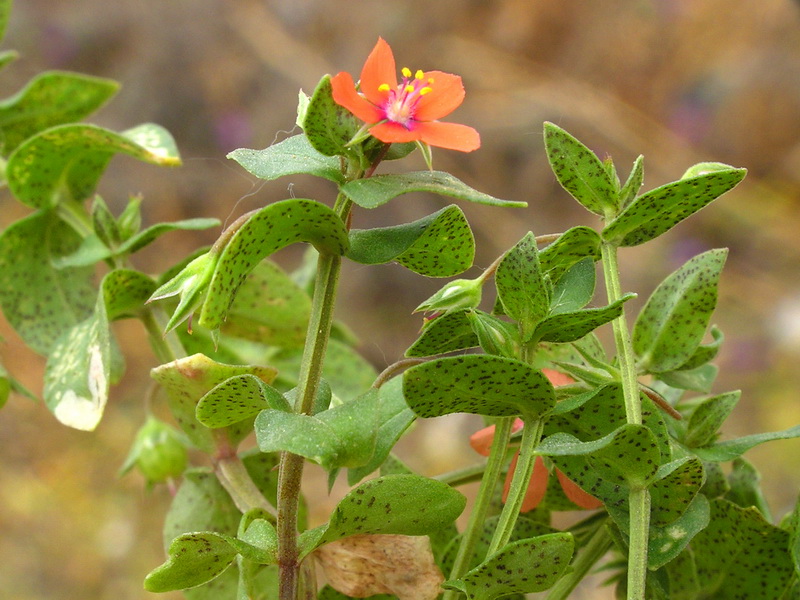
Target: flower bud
x,y
158,452
704,168
458,294
190,285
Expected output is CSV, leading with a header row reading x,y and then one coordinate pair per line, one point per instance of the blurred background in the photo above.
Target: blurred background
x,y
678,81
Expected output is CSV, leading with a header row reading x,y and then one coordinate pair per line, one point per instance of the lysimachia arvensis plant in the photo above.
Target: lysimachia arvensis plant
x,y
629,434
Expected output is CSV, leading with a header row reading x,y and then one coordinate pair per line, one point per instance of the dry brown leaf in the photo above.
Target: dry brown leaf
x,y
363,565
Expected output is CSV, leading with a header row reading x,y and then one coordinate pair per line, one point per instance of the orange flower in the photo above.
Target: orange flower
x,y
407,112
481,442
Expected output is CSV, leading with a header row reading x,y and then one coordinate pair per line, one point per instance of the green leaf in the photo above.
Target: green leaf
x,y
393,418
477,384
633,184
665,543
579,171
676,487
328,126
187,380
378,190
125,292
149,235
439,245
708,417
104,223
268,230
393,504
740,555
237,399
194,559
571,326
705,353
292,156
525,566
629,455
342,436
700,379
730,449
78,372
571,246
745,487
445,333
672,323
41,302
521,288
574,289
659,210
494,335
71,158
50,99
286,321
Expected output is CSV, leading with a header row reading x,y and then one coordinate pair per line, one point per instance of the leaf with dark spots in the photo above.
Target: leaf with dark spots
x,y
708,417
571,326
676,486
477,384
572,246
327,125
659,210
521,567
194,558
670,327
522,290
445,333
439,245
266,231
666,542
579,171
392,504
125,292
236,399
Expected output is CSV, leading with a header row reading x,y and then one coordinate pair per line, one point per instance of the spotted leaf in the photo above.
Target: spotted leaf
x,y
659,210
571,326
676,486
526,566
708,417
666,542
570,247
51,99
65,162
522,290
236,399
445,333
328,126
477,384
376,191
392,504
579,171
439,245
125,292
268,230
670,327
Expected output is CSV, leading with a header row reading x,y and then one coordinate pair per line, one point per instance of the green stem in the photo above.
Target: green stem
x,y
233,476
491,476
462,476
75,216
597,546
291,465
167,348
638,499
531,435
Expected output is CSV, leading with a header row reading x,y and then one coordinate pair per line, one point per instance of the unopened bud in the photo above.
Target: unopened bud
x,y
158,452
456,295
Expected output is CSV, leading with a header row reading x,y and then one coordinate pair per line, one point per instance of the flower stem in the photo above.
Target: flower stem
x,y
291,465
639,498
531,435
491,475
598,544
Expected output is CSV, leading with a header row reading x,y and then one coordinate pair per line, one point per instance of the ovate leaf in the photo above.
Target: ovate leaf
x,y
378,190
571,326
41,302
579,171
292,156
522,291
439,245
708,417
730,449
194,559
477,384
445,333
266,231
674,320
51,99
570,247
327,125
236,399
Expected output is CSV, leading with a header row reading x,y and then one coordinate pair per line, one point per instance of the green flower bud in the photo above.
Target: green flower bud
x,y
456,295
158,452
190,285
704,168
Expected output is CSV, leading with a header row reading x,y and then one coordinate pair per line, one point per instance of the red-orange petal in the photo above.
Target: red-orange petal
x,y
394,133
343,89
575,494
537,487
446,95
379,68
557,378
452,136
481,440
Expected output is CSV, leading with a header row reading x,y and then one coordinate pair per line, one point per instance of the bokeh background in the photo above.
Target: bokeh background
x,y
676,80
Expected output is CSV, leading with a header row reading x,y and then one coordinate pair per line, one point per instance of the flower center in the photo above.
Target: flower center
x,y
401,103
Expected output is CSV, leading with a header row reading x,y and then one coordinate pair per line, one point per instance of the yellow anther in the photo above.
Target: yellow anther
x,y
406,72
430,80
409,89
425,90
419,75
384,87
